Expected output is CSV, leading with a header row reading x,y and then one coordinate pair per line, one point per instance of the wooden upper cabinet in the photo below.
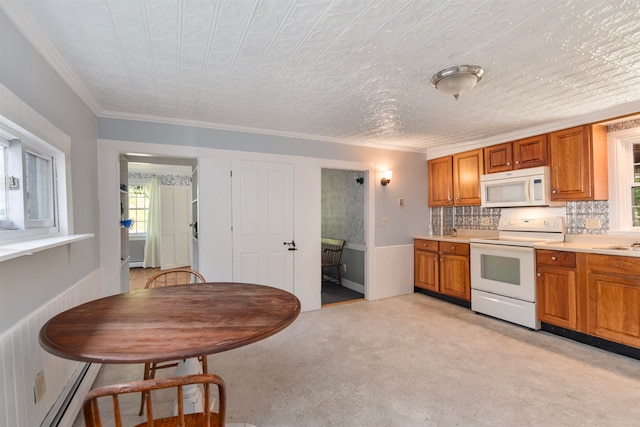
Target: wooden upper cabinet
x,y
531,152
524,153
467,168
498,158
579,163
440,181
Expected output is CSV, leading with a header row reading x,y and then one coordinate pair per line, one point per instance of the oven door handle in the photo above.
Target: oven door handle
x,y
496,247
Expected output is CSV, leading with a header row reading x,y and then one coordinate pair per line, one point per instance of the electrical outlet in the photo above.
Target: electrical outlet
x,y
383,221
39,386
344,267
485,221
401,203
592,223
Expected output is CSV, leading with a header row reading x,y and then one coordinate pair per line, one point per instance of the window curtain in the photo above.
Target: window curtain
x,y
152,245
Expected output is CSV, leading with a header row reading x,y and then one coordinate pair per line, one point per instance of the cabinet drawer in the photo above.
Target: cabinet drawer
x,y
614,265
454,248
556,258
425,245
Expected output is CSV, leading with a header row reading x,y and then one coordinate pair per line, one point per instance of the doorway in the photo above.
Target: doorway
x,y
343,194
172,235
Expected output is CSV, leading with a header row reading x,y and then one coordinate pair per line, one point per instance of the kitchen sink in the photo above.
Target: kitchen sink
x,y
632,247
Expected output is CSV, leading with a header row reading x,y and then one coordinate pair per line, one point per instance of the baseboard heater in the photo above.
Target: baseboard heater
x,y
61,405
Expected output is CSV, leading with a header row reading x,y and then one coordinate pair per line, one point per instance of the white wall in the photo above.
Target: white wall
x,y
215,241
34,288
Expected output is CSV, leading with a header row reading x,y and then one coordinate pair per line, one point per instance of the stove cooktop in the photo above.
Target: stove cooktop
x,y
527,231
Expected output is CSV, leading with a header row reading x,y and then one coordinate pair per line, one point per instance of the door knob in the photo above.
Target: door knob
x,y
291,244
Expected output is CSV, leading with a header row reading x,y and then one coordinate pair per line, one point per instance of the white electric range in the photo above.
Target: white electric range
x,y
503,279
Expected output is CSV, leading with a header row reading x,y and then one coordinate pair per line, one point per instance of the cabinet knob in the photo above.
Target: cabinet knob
x,y
538,274
453,248
424,244
554,258
554,191
508,163
435,258
517,162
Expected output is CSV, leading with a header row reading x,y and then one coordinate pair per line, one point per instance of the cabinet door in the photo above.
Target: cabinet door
x,y
614,308
570,164
556,296
454,276
426,270
440,181
467,168
498,158
531,152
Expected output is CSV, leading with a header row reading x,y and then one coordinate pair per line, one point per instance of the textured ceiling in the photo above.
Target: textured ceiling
x,y
342,70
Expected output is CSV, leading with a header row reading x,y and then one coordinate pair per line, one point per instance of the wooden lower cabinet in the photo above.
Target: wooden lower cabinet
x,y
426,261
596,295
557,288
442,267
454,276
614,298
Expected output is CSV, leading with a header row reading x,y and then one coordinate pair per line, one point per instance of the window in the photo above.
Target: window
x,y
35,181
624,181
139,208
28,196
3,185
38,184
635,187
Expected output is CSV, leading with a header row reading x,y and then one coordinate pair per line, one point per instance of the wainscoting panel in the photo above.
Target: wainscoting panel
x,y
393,272
23,359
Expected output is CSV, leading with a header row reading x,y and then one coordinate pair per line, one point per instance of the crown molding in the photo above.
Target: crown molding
x,y
595,117
248,129
33,32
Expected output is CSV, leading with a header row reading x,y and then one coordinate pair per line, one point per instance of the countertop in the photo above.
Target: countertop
x,y
594,244
589,247
462,236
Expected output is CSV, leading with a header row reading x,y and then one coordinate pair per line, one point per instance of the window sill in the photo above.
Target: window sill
x,y
17,249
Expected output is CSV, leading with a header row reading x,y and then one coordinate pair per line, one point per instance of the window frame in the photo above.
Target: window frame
x,y
137,182
621,180
18,121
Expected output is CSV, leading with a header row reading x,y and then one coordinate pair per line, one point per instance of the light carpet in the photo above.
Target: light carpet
x,y
417,361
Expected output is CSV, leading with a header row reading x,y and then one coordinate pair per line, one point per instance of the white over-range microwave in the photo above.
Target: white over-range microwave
x,y
523,187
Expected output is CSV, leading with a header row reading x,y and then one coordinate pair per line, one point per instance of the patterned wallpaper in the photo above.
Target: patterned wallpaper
x,y
343,205
173,180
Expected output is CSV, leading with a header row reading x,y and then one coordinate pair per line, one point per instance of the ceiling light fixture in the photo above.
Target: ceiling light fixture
x,y
457,80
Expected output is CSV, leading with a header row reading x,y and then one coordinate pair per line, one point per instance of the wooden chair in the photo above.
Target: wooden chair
x,y
176,276
331,257
148,389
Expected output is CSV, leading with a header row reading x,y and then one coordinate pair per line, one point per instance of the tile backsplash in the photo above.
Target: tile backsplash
x,y
445,219
579,212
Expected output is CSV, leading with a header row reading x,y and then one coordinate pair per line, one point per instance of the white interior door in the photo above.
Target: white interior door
x,y
263,223
175,236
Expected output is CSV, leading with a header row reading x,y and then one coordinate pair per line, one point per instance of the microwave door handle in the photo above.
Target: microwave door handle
x,y
528,190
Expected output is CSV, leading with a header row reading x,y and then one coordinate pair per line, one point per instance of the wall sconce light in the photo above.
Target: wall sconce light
x,y
386,178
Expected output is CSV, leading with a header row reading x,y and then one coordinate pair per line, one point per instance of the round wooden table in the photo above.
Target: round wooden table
x,y
170,323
